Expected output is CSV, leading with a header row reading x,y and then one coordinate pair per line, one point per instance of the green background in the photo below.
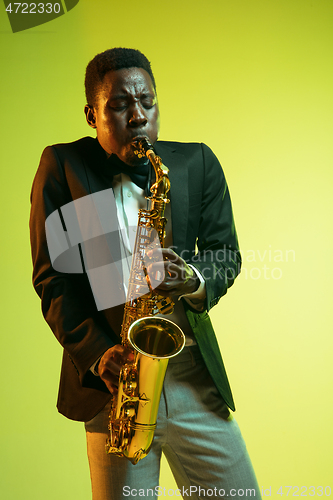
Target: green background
x,y
253,80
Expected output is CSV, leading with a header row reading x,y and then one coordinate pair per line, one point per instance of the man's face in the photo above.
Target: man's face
x,y
126,109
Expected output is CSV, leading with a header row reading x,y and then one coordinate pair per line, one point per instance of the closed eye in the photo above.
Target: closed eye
x,y
119,108
118,103
148,101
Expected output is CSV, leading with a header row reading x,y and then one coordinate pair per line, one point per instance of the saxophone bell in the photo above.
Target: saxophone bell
x,y
158,338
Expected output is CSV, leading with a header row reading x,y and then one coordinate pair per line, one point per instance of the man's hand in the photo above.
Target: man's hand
x,y
179,278
111,363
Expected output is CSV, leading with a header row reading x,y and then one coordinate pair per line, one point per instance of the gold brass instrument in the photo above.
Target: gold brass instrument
x,y
153,340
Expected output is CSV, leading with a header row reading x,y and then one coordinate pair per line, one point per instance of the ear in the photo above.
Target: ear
x,y
89,111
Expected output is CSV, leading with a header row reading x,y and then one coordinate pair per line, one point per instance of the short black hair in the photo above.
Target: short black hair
x,y
112,60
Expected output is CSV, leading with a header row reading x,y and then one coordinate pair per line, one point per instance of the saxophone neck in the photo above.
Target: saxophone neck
x,y
161,186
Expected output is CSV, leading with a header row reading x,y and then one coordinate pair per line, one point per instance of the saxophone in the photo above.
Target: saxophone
x,y
153,340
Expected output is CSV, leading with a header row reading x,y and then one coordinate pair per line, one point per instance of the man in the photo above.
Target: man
x,y
195,430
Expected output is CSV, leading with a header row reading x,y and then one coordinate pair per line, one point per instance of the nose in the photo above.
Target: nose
x,y
138,117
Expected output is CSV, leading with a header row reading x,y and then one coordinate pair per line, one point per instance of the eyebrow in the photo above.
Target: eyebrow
x,y
126,96
119,96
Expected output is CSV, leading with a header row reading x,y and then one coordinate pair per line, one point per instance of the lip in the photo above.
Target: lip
x,y
138,137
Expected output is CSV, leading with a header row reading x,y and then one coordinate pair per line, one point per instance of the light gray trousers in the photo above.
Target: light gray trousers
x,y
199,437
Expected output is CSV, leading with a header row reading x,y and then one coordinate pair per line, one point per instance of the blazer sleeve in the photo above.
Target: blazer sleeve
x,y
218,258
67,301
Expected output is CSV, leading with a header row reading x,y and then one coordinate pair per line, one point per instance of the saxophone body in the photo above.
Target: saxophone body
x,y
153,340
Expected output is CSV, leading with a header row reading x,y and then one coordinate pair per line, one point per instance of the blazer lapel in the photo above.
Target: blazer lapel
x,y
178,175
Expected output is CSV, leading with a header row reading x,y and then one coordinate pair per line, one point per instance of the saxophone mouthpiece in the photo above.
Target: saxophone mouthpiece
x,y
145,144
142,146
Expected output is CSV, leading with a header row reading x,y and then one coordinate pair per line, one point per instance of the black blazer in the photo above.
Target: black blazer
x,y
201,219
